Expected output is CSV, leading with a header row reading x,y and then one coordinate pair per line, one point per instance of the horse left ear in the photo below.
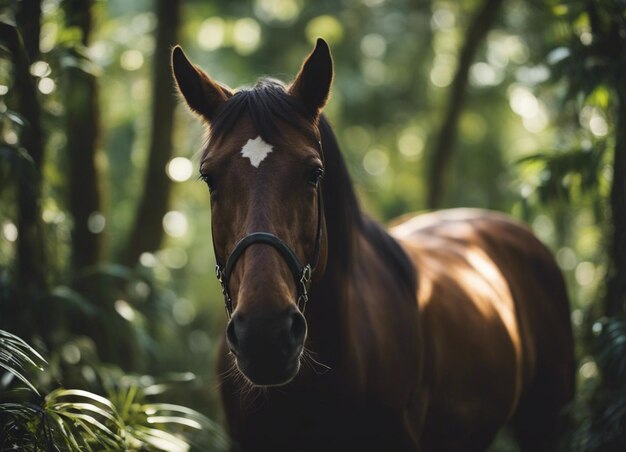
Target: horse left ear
x,y
203,95
312,84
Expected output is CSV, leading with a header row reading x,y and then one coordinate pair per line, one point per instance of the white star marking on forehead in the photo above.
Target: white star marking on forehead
x,y
256,150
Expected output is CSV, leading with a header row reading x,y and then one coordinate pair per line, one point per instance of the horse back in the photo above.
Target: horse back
x,y
495,319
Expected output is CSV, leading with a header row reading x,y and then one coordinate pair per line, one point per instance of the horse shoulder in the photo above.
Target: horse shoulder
x,y
470,330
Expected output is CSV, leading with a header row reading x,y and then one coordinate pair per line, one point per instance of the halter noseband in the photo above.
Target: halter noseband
x,y
301,273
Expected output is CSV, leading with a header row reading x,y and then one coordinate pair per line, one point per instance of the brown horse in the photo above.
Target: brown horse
x,y
431,337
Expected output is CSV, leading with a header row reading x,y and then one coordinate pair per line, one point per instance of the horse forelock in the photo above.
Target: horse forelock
x,y
269,106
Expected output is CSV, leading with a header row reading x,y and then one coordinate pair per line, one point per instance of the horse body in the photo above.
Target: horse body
x,y
487,339
496,330
431,337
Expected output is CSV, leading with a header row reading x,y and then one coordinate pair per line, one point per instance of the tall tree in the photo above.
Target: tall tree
x,y
28,18
85,192
147,232
31,257
608,24
441,155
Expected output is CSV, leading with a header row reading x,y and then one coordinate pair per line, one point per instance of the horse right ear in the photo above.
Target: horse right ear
x,y
203,95
312,84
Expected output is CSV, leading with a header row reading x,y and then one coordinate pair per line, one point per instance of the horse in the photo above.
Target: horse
x,y
342,335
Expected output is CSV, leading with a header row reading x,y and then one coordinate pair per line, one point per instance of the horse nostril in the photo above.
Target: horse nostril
x,y
231,336
298,328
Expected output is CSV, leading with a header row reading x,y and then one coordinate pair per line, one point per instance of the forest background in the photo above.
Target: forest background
x,y
106,263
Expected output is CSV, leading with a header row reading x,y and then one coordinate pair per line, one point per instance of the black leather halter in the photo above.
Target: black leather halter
x,y
301,273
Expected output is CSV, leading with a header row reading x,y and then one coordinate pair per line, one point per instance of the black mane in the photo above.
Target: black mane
x,y
268,104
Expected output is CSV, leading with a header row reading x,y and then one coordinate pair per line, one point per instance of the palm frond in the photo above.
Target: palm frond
x,y
168,414
88,418
165,426
611,353
16,357
158,439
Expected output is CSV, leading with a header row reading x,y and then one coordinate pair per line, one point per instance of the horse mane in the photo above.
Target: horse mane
x,y
268,104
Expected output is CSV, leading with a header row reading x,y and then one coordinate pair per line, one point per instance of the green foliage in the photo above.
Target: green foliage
x,y
16,356
566,173
79,420
602,416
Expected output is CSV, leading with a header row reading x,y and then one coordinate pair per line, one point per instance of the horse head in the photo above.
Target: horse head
x,y
264,165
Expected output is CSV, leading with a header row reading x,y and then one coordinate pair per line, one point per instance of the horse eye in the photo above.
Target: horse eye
x,y
207,179
316,175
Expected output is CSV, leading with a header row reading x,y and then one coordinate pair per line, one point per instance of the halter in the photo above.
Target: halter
x,y
301,273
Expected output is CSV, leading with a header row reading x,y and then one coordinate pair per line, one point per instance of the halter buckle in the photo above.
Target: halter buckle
x,y
228,302
305,279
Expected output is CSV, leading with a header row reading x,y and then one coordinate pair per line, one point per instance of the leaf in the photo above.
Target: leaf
x,y
16,355
70,297
160,439
59,393
87,407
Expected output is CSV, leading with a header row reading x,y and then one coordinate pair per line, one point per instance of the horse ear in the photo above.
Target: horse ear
x,y
203,95
312,84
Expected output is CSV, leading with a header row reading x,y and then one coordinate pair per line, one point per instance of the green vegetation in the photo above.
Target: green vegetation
x,y
106,265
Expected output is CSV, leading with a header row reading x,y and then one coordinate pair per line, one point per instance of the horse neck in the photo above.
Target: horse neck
x,y
355,244
344,227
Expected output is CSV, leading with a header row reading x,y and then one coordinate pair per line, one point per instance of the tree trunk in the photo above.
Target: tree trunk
x,y
608,47
147,232
444,146
82,131
615,302
28,19
31,256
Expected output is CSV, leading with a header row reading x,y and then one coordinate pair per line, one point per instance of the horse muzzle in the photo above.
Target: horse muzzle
x,y
267,345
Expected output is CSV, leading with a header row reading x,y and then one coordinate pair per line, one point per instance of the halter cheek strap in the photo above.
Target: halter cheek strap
x,y
301,273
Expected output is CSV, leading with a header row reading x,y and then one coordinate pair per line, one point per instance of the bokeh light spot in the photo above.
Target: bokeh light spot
x,y
179,169
46,85
183,311
585,273
131,60
483,74
375,161
148,260
71,353
175,258
374,72
175,223
40,69
373,45
211,34
285,11
566,258
327,27
246,35
96,222
373,3
442,19
589,370
411,143
125,310
9,231
443,70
